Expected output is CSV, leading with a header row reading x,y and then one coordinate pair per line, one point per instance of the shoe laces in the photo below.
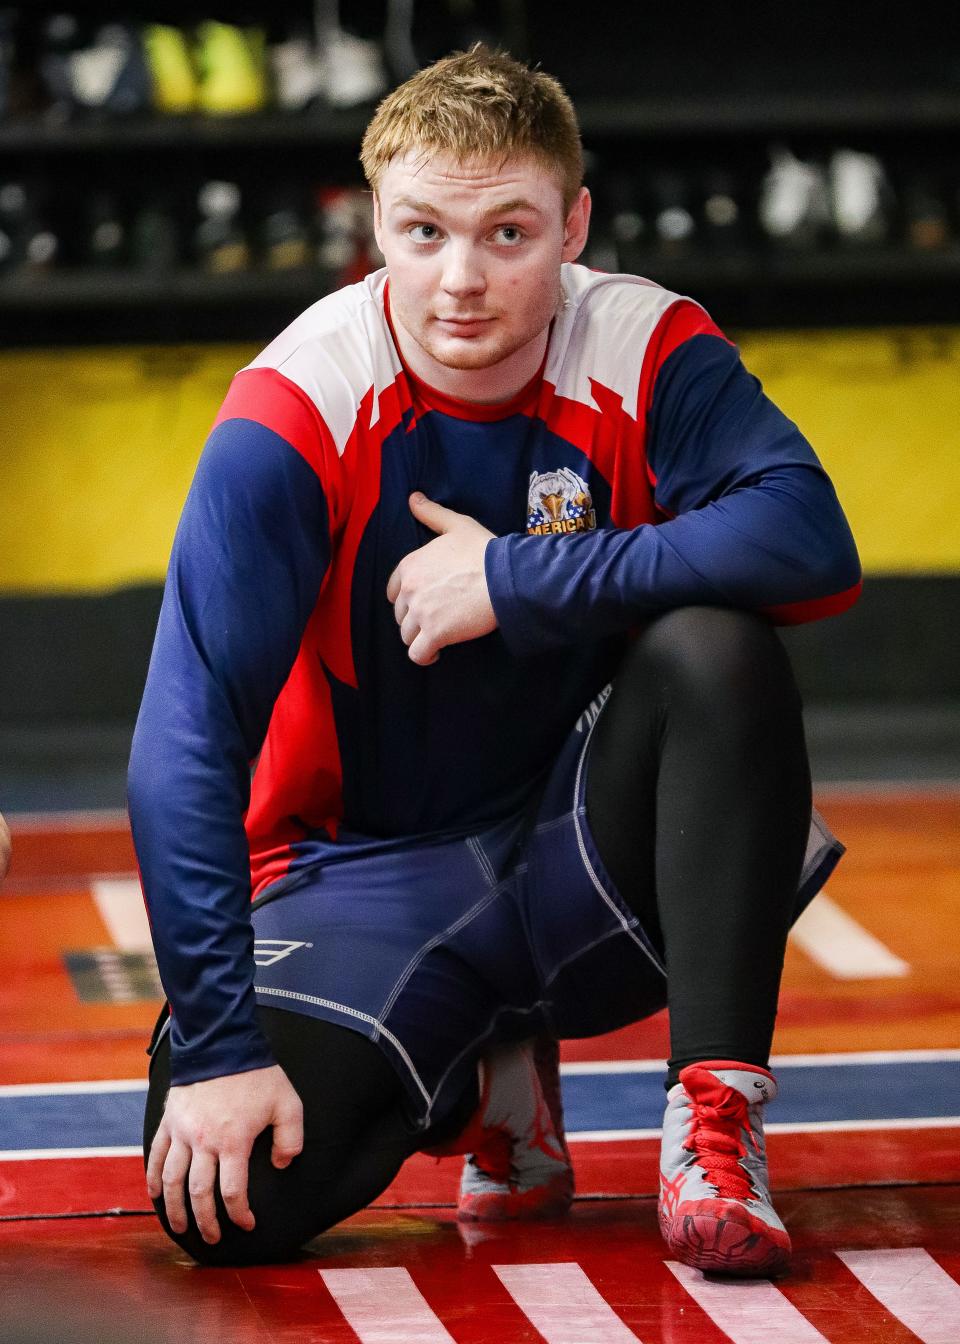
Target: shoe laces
x,y
715,1137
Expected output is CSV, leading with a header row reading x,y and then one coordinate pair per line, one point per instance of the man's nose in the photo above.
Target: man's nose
x,y
463,270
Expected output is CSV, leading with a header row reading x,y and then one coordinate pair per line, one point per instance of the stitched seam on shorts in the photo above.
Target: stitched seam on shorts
x,y
587,947
540,1003
476,849
585,857
351,1012
553,824
435,941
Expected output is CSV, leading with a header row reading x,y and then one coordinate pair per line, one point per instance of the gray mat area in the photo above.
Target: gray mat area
x,y
84,766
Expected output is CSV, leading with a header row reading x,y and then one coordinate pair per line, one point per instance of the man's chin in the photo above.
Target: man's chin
x,y
464,355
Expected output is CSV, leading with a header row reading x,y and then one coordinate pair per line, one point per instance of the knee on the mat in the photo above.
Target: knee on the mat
x,y
269,1243
286,1217
728,661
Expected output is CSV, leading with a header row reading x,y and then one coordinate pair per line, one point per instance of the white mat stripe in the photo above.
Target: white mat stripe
x,y
42,1154
751,1312
73,1089
867,1057
786,1127
384,1306
119,901
841,946
776,1061
563,1304
912,1287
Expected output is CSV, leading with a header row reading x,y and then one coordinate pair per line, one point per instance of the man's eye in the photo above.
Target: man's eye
x,y
423,233
510,234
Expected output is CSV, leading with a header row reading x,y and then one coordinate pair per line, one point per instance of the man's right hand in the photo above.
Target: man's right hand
x,y
214,1123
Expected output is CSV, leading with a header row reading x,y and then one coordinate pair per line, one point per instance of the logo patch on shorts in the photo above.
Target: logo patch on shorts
x,y
268,950
559,501
592,712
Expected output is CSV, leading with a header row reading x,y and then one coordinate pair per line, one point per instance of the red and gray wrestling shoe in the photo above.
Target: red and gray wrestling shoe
x,y
517,1164
714,1210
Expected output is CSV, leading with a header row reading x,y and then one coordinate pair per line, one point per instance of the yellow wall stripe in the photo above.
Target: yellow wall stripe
x,y
99,446
882,410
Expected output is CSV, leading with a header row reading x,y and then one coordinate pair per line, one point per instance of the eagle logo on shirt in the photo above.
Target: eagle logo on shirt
x,y
559,501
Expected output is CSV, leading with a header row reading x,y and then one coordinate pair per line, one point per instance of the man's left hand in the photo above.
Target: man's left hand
x,y
439,592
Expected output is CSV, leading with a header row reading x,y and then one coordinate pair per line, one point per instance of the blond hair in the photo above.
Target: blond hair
x,y
475,104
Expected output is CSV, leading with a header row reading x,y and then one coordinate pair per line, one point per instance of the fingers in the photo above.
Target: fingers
x,y
203,1175
175,1169
287,1134
171,1166
234,1170
434,516
409,629
408,623
198,1172
423,650
158,1155
205,1139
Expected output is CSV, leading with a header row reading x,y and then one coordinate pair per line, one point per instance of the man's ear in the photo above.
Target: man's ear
x,y
377,221
577,226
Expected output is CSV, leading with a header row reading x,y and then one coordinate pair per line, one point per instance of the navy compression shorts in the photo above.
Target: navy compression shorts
x,y
435,949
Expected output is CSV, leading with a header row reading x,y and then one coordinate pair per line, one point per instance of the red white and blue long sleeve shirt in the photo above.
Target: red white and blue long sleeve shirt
x,y
642,469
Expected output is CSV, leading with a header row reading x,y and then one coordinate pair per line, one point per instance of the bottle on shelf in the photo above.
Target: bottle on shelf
x,y
105,238
861,198
173,73
221,245
794,209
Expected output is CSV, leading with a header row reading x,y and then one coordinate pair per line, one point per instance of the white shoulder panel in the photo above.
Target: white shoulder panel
x,y
602,331
336,351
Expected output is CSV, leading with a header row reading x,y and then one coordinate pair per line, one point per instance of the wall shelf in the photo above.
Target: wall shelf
x,y
761,114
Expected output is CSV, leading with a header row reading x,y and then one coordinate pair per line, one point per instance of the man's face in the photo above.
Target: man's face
x,y
473,253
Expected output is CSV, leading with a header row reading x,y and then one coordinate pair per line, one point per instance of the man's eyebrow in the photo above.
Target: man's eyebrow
x,y
507,208
514,207
411,203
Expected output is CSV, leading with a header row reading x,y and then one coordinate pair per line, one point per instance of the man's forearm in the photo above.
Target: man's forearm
x,y
187,801
780,542
247,564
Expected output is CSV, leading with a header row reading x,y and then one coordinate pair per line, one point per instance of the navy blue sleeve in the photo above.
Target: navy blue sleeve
x,y
247,563
758,524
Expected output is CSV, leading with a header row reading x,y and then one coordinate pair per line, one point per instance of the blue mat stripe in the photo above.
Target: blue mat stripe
x,y
594,1101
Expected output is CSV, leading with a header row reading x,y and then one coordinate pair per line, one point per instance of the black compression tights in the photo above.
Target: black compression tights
x,y
698,797
355,1140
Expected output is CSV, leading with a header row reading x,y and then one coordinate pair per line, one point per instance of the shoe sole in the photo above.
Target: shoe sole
x,y
540,1203
729,1241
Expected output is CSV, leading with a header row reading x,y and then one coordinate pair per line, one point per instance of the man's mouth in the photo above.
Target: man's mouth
x,y
464,325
